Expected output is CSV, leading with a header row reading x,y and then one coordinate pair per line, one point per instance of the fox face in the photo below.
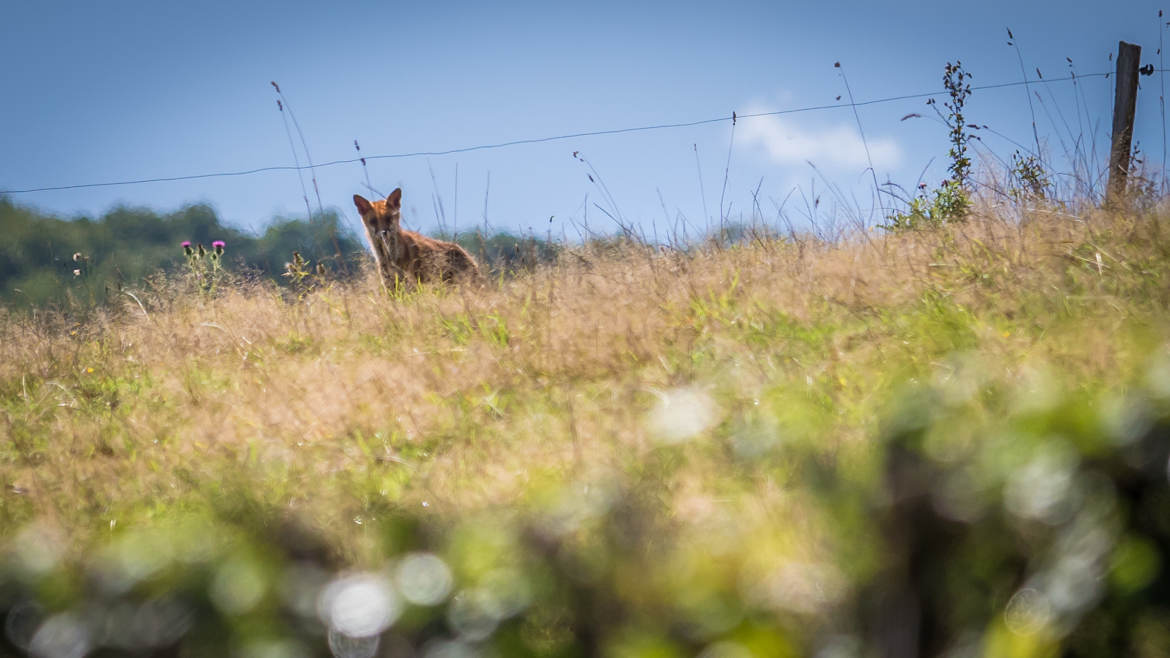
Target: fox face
x,y
382,220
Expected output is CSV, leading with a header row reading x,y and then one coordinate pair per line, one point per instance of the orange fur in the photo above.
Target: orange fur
x,y
406,254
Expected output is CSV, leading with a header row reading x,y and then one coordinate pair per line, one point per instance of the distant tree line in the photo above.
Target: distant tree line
x,y
47,260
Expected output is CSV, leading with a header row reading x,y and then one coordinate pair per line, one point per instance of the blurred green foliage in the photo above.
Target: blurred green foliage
x,y
1041,529
506,253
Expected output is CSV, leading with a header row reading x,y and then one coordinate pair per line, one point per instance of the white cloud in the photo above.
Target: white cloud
x,y
831,147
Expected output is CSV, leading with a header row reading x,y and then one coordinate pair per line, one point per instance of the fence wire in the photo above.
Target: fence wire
x,y
553,138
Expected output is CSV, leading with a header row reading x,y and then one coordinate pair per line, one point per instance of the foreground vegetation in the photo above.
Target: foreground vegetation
x,y
898,444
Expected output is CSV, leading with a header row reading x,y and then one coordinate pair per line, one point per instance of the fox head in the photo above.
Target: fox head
x,y
382,220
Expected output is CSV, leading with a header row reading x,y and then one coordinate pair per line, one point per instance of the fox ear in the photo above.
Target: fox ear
x,y
395,198
363,206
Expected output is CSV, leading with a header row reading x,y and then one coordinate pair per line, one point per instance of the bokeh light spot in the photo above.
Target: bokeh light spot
x,y
359,605
423,579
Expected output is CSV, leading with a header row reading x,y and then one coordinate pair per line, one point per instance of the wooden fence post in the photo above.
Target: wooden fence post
x,y
1125,99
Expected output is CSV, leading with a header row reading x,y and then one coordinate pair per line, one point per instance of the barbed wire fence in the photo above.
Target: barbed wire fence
x,y
731,117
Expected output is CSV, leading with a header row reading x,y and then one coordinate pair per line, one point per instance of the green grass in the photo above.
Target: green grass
x,y
753,450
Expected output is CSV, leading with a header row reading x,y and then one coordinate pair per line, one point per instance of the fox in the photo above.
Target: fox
x,y
407,256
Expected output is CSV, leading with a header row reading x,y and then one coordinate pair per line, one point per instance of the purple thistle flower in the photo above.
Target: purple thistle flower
x,y
185,244
219,244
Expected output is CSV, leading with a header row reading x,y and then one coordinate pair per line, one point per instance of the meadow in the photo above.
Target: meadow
x,y
890,443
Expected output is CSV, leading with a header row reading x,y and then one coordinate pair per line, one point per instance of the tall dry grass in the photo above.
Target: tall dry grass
x,y
350,401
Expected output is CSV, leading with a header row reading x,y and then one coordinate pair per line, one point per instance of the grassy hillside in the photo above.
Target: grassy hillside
x,y
952,439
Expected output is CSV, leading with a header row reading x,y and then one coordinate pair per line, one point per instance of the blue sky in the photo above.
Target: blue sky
x,y
119,90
